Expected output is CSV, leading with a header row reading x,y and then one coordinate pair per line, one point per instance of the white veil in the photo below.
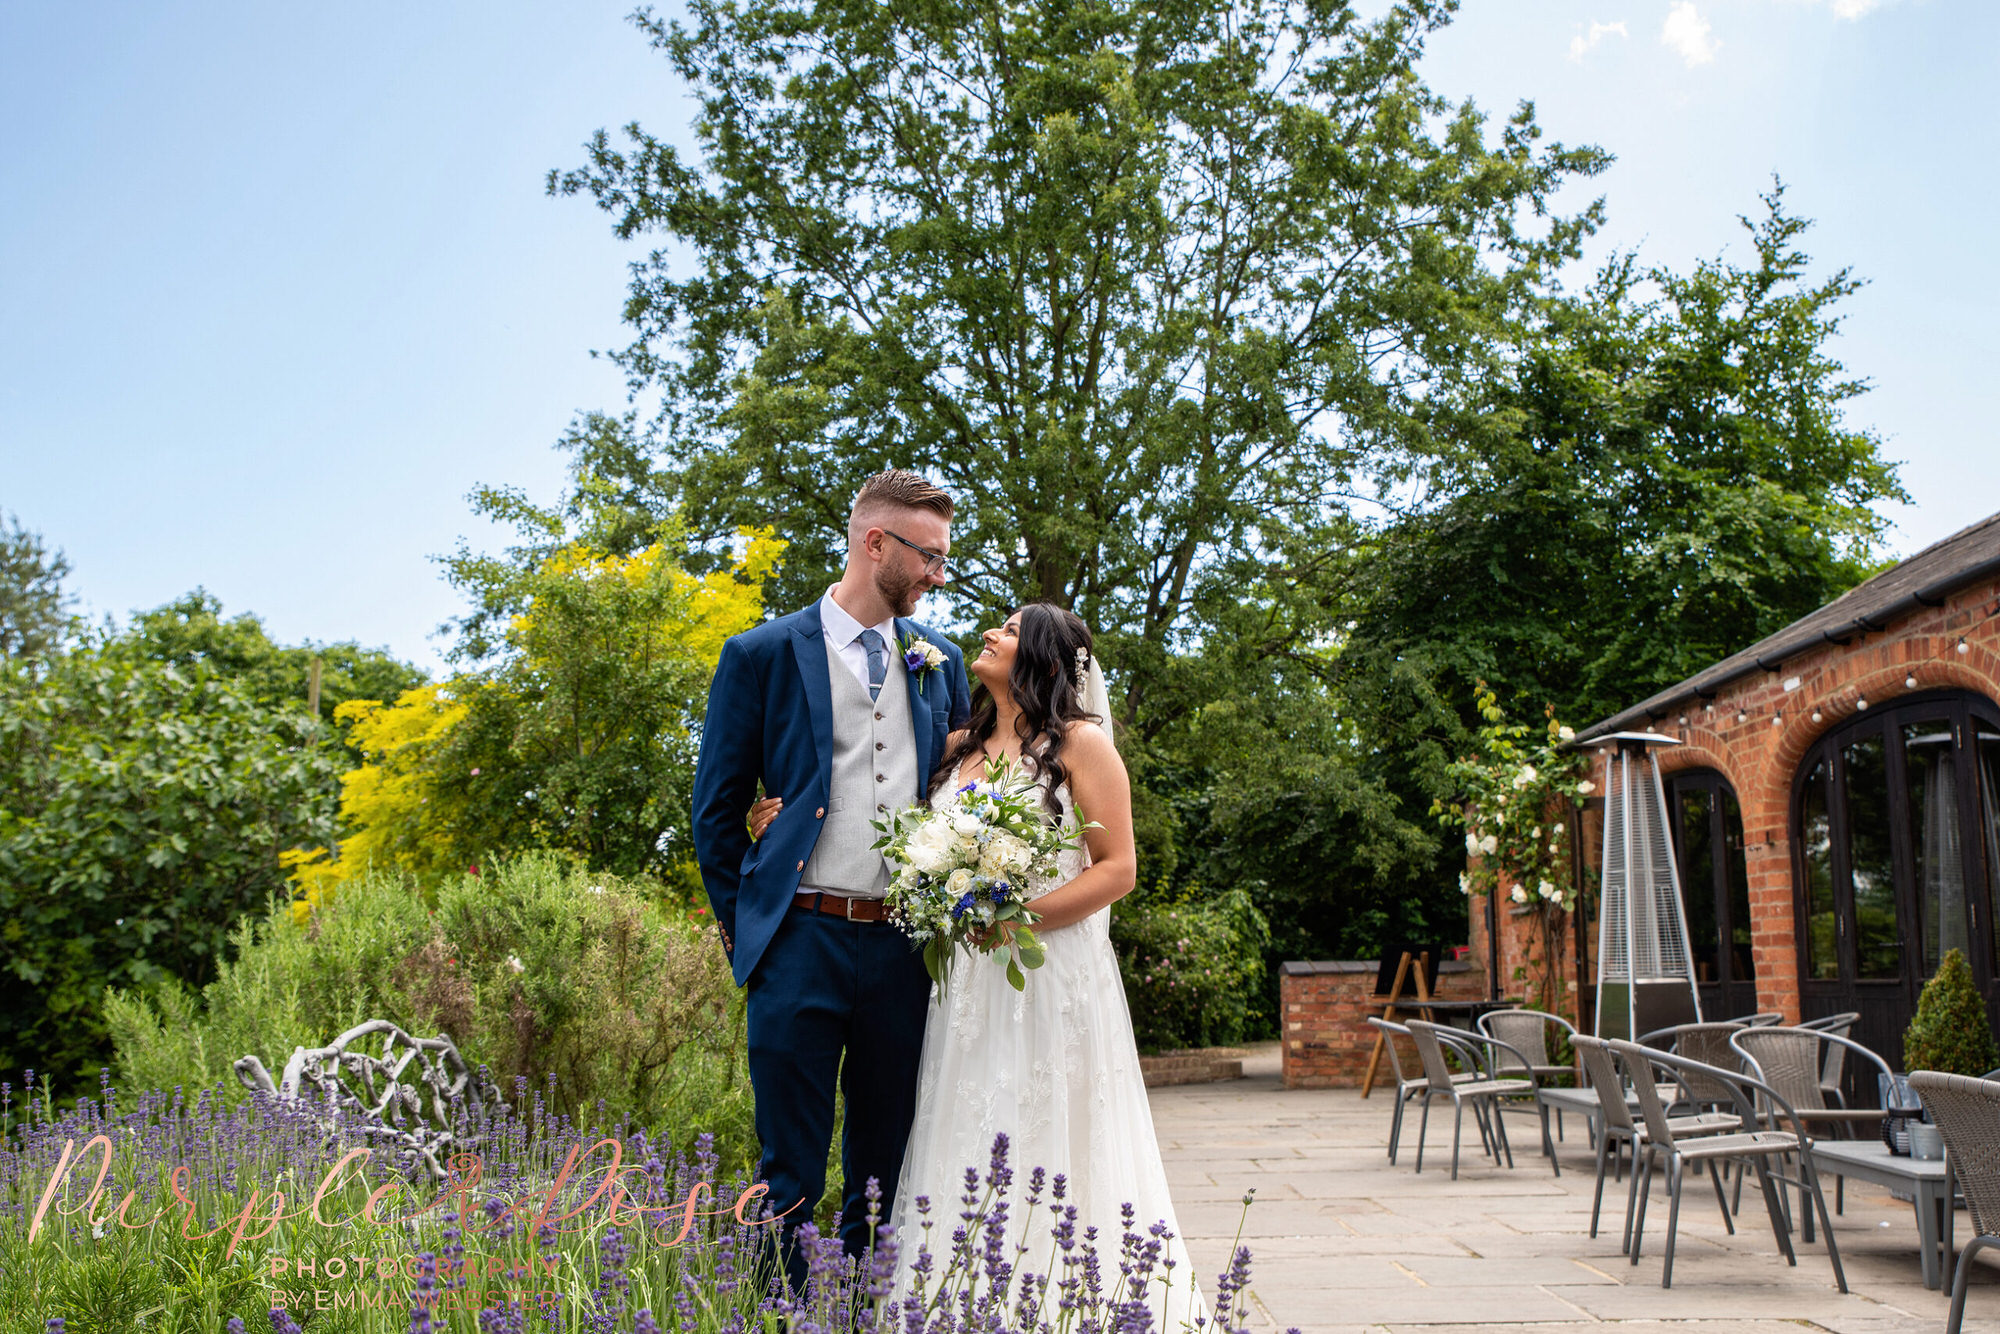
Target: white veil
x,y
1096,696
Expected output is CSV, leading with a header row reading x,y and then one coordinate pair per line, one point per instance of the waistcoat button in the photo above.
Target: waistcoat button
x,y
881,778
878,717
802,866
820,814
881,745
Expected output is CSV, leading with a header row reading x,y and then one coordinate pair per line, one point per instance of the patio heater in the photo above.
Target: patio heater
x,y
1645,971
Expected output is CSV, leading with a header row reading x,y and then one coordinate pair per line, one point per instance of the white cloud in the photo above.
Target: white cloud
x,y
1850,9
1584,42
1688,33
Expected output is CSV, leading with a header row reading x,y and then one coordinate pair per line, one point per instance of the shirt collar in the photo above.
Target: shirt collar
x,y
843,629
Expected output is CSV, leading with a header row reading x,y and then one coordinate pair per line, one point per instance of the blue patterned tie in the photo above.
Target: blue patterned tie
x,y
878,661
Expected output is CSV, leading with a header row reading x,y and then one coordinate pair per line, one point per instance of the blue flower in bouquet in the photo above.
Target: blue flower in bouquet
x,y
965,904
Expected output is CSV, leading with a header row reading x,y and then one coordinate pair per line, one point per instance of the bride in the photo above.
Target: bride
x,y
1054,1066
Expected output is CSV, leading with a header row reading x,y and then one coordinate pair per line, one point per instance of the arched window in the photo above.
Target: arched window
x,y
1715,890
1893,845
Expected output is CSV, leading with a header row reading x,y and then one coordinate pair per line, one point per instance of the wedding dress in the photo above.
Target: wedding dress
x,y
1055,1068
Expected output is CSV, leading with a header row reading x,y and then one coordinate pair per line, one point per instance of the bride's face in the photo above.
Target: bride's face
x,y
997,658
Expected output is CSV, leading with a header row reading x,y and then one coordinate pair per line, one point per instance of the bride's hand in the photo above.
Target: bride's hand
x,y
762,814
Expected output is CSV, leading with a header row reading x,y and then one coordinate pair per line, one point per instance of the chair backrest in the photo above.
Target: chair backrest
x,y
1525,1030
1967,1112
1602,1072
1707,1044
1436,1073
1390,1032
1761,1019
1788,1059
1639,1065
1835,1068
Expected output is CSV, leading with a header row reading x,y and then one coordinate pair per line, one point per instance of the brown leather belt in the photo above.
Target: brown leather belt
x,y
854,910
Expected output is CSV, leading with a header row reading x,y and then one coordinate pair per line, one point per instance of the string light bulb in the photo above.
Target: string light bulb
x,y
1816,715
1861,702
1743,715
1963,647
1777,719
1910,681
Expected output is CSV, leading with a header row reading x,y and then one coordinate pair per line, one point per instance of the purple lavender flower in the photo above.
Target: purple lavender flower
x,y
55,1325
282,1322
235,1326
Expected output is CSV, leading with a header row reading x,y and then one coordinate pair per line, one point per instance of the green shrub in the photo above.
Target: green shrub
x,y
588,987
1193,966
1951,1032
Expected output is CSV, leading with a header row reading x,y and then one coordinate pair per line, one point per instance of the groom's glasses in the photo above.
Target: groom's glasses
x,y
933,563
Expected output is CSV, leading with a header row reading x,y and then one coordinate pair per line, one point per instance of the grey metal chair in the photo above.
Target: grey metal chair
x,y
1483,1092
1791,1060
1527,1032
1407,1086
1756,1144
1619,1134
1967,1112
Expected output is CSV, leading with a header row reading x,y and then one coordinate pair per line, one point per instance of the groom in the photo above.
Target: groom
x,y
821,707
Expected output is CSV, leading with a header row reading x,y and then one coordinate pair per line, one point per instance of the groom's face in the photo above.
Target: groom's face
x,y
900,573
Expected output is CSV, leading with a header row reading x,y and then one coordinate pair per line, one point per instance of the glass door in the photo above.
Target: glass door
x,y
1715,891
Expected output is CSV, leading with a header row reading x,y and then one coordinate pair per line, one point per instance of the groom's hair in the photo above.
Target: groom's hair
x,y
887,492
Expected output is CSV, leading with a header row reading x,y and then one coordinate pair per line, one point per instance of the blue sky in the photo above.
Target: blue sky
x,y
281,283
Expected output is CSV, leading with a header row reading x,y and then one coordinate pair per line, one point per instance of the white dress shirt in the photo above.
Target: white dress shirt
x,y
843,636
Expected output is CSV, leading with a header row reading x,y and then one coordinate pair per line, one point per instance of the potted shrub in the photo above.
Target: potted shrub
x,y
1950,1033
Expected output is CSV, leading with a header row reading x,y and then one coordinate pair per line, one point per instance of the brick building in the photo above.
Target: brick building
x,y
1836,797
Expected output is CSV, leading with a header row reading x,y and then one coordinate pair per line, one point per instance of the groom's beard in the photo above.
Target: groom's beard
x,y
900,591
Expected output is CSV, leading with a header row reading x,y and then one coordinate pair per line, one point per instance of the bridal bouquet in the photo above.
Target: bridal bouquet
x,y
961,871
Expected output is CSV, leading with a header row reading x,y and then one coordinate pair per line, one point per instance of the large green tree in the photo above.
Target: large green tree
x,y
1152,288
142,811
34,615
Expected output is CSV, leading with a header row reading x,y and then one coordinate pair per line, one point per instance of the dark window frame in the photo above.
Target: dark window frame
x,y
1722,889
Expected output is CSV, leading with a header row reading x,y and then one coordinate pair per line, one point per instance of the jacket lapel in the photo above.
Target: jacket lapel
x,y
920,709
809,649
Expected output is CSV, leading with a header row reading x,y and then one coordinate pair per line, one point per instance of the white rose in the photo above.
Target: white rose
x,y
1526,776
1520,895
959,882
1489,845
1566,733
1547,888
1471,844
1585,788
1464,883
1556,828
967,825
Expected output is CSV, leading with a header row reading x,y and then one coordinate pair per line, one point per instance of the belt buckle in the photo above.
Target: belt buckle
x,y
848,911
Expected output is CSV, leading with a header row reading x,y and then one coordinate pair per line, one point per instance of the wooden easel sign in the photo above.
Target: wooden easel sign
x,y
1423,990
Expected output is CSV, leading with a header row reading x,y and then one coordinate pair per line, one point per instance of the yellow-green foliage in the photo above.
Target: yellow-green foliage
x,y
578,739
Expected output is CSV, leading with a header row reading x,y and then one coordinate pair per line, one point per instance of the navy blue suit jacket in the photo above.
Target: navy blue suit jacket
x,y
770,718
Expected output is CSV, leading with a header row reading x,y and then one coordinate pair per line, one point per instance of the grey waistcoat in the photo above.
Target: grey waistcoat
x,y
874,771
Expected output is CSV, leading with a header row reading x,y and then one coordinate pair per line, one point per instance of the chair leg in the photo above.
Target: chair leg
x,y
1811,1178
1457,1125
1500,1134
1642,1178
1840,1195
1597,1194
1779,1228
1548,1145
1423,1128
1631,1197
1674,1176
1396,1125
1958,1281
1715,1175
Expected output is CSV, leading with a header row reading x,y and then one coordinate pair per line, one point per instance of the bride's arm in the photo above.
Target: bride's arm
x,y
1102,792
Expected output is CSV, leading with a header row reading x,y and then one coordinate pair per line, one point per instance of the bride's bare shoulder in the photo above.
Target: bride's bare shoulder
x,y
1085,740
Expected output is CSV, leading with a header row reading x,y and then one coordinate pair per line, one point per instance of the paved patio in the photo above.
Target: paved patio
x,y
1343,1241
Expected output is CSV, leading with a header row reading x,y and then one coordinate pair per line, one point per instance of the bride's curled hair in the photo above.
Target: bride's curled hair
x,y
1050,644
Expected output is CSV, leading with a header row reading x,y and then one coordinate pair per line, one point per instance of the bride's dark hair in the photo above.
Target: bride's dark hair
x,y
1049,643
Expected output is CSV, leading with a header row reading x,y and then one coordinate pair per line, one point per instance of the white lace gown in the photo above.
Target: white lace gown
x,y
1056,1069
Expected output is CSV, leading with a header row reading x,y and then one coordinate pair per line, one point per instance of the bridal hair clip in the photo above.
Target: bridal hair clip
x,y
1082,664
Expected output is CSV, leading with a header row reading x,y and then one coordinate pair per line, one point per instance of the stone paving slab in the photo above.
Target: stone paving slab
x,y
1341,1240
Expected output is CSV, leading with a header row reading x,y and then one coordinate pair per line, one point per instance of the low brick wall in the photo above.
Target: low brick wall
x,y
1199,1065
1326,1007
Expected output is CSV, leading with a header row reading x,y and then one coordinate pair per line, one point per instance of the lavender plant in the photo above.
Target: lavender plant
x,y
218,1217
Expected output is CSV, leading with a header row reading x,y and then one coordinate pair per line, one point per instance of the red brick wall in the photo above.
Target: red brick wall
x,y
1755,732
1327,1036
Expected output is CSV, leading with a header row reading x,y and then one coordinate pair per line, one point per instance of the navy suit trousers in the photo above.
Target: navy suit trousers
x,y
827,986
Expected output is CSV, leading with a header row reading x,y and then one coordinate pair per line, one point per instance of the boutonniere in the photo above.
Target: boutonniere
x,y
920,656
